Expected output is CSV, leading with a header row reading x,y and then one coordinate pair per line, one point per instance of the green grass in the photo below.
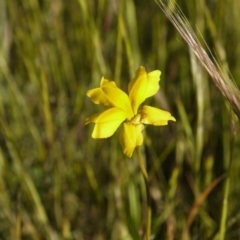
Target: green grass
x,y
56,182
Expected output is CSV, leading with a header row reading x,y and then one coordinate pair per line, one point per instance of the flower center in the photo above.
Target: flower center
x,y
136,120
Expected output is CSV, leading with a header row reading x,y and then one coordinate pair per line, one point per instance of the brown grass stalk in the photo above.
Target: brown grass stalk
x,y
221,79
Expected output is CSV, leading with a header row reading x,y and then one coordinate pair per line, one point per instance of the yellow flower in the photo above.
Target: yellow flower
x,y
125,108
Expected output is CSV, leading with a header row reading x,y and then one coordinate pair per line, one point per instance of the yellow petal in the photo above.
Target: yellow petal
x,y
155,116
109,95
98,96
130,137
119,99
106,122
153,83
142,86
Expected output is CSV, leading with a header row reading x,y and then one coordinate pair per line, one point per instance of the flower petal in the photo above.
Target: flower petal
x,y
106,122
130,137
119,99
155,116
109,95
153,83
98,96
142,86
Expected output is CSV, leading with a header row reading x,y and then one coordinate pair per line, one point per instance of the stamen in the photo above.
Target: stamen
x,y
136,119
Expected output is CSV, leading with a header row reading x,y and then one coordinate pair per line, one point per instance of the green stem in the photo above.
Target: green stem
x,y
146,181
224,210
222,231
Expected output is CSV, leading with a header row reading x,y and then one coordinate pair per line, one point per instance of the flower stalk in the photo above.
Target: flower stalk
x,y
147,231
127,109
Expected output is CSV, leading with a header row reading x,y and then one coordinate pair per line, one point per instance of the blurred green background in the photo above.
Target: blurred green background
x,y
56,182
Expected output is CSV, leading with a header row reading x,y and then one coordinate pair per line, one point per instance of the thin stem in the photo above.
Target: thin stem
x,y
224,210
222,231
146,181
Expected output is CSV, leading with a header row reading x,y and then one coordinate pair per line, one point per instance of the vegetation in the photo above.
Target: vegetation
x,y
56,182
